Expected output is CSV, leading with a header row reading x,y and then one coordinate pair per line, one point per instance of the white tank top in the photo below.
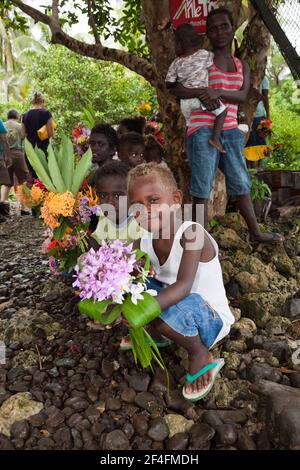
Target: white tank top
x,y
208,280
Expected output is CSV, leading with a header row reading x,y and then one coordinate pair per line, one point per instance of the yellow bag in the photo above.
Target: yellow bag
x,y
43,132
256,152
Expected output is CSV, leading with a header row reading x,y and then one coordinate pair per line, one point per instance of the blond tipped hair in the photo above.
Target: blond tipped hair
x,y
37,97
163,173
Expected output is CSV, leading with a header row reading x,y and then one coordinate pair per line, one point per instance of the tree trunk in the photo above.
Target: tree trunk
x,y
254,50
155,15
160,42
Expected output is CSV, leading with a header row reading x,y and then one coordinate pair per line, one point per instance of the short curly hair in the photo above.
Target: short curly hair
x,y
108,131
134,124
113,168
163,173
187,36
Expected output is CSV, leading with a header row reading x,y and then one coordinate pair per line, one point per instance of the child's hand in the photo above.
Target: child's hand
x,y
152,272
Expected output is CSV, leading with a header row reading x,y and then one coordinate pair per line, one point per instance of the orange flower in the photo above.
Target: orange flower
x,y
37,194
90,193
24,198
48,218
60,204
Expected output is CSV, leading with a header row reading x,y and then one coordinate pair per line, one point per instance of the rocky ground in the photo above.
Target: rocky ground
x,y
66,386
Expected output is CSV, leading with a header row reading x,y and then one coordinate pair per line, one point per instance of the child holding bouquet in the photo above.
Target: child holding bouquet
x,y
114,222
191,294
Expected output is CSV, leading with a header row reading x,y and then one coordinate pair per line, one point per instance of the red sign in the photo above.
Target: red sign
x,y
191,11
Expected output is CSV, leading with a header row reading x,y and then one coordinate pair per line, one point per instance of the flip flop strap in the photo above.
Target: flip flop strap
x,y
192,378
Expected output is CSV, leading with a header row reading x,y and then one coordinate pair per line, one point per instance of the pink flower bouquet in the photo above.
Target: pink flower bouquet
x,y
112,282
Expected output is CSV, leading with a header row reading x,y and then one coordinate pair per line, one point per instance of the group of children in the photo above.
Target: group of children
x,y
129,171
188,277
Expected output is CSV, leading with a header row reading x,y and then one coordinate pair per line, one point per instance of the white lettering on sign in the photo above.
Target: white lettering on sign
x,y
194,8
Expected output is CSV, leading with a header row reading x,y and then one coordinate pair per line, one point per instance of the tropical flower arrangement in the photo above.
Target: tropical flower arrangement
x,y
112,282
144,108
65,202
265,128
32,196
80,138
156,130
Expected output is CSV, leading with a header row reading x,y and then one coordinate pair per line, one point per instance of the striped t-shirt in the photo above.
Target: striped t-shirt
x,y
218,79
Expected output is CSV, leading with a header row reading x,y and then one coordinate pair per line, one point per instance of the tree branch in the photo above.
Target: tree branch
x,y
95,51
55,9
90,4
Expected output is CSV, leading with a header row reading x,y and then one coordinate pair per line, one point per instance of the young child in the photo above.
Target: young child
x,y
191,294
154,152
190,68
132,149
114,223
103,142
131,124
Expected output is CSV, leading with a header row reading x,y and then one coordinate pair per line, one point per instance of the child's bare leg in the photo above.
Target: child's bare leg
x,y
215,140
199,355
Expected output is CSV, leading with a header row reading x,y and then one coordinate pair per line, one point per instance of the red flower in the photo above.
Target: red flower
x,y
53,245
84,185
76,132
39,184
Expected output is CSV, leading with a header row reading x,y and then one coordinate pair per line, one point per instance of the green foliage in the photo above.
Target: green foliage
x,y
22,107
285,140
213,223
88,116
285,96
50,171
259,189
12,18
111,89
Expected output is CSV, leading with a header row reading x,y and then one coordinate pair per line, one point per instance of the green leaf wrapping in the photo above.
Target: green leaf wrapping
x,y
96,310
38,166
81,171
55,173
143,312
144,348
67,162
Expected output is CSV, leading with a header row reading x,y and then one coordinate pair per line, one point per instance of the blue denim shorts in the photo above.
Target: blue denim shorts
x,y
204,160
191,316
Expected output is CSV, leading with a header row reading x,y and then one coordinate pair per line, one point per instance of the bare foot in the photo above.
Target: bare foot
x,y
197,362
93,325
217,144
125,341
266,238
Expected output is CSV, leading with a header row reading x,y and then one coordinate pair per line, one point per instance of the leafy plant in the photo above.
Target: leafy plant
x,y
87,90
285,139
259,189
213,223
58,173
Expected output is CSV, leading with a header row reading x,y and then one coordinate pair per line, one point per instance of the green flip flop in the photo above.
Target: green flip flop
x,y
215,366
